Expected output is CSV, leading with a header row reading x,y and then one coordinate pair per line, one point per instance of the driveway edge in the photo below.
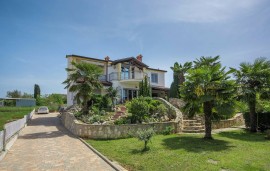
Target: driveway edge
x,y
117,167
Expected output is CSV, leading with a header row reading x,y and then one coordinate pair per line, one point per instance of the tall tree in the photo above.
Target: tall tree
x,y
36,91
14,94
208,89
112,94
83,79
253,80
145,88
179,72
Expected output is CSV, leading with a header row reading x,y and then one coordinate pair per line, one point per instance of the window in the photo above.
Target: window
x,y
154,77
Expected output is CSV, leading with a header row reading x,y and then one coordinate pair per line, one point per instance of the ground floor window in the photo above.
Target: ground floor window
x,y
129,94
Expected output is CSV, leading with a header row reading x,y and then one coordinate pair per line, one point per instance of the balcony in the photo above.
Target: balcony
x,y
126,76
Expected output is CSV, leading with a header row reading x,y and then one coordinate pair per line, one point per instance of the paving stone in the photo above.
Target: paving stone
x,y
46,145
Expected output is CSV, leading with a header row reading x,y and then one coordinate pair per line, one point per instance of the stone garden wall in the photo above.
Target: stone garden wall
x,y
110,131
173,109
237,120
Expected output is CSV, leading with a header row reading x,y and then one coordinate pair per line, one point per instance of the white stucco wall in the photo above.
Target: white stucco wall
x,y
161,77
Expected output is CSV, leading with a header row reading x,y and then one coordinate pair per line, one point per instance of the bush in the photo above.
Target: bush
x,y
168,130
267,136
263,118
145,135
139,110
121,121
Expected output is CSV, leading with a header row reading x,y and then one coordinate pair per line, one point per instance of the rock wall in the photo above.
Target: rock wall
x,y
237,120
110,131
177,112
178,103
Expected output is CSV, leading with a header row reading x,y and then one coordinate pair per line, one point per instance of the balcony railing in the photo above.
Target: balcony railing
x,y
126,76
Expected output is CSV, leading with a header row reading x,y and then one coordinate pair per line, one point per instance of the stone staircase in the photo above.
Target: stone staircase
x,y
120,112
193,125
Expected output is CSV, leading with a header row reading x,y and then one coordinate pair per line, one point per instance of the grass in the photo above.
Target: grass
x,y
236,150
8,114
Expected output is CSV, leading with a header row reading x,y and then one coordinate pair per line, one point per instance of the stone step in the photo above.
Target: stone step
x,y
193,131
193,127
192,124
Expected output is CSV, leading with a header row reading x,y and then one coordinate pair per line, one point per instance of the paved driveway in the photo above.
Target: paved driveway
x,y
46,145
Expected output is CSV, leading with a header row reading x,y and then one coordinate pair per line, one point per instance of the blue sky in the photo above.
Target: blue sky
x,y
36,35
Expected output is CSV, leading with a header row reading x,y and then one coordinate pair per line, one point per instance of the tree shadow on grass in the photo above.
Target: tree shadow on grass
x,y
244,135
140,151
195,144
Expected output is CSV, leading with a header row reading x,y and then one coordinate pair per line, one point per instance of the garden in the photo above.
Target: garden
x,y
207,89
237,150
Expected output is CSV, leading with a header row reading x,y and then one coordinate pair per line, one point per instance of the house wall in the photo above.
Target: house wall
x,y
161,77
116,84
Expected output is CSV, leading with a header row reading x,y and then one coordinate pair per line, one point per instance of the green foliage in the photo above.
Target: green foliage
x,y
14,94
147,109
36,91
18,94
145,135
263,118
8,114
121,121
112,94
235,150
253,80
139,110
179,72
145,88
262,106
83,79
168,130
267,135
174,88
208,88
10,103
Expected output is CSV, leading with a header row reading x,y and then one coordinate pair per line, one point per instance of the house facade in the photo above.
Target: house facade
x,y
124,75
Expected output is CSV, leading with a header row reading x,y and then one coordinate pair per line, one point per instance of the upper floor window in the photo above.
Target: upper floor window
x,y
154,77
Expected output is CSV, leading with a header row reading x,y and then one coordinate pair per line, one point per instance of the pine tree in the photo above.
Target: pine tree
x,y
145,88
36,91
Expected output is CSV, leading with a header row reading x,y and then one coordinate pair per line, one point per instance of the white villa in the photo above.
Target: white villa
x,y
123,75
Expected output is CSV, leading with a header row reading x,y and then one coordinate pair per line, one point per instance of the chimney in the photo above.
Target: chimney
x,y
139,57
107,58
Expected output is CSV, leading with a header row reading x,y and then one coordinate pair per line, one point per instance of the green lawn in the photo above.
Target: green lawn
x,y
8,114
236,150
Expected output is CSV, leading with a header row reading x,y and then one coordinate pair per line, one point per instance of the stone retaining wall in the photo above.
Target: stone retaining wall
x,y
110,131
237,120
178,113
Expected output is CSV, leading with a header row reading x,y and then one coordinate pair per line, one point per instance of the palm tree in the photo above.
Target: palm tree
x,y
112,93
179,72
83,79
208,89
253,80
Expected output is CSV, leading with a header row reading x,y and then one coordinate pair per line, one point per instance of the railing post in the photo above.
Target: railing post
x,y
4,140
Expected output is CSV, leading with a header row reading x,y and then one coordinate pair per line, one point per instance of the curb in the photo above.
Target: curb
x,y
116,166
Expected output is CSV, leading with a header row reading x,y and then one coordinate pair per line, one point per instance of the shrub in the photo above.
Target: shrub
x,y
95,110
168,130
145,135
263,118
139,110
121,121
105,102
95,118
267,136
